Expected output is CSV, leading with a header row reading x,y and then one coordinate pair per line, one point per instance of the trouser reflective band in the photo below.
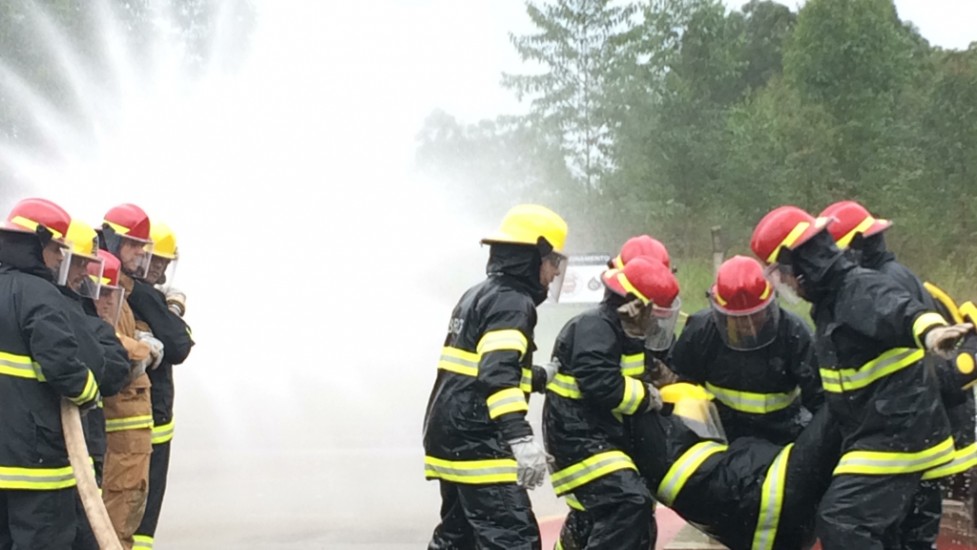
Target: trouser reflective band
x,y
40,479
142,541
889,462
128,423
589,469
164,432
683,468
493,470
753,403
963,460
771,502
633,365
894,360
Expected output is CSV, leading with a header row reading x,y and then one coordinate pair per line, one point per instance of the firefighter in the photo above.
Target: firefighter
x,y
868,336
588,399
750,494
80,278
161,313
477,441
129,415
40,365
754,356
855,229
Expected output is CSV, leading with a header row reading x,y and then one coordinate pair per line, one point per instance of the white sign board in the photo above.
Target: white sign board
x,y
581,282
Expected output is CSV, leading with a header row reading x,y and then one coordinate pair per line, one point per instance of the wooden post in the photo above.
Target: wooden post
x,y
717,248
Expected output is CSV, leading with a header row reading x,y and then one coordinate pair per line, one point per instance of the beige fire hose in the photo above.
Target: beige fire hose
x,y
81,463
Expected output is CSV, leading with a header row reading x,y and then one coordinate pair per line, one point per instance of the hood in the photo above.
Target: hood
x,y
22,251
521,264
874,252
819,262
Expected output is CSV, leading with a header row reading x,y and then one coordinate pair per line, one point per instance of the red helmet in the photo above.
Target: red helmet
x,y
29,214
645,278
783,227
740,286
849,219
128,220
642,245
110,268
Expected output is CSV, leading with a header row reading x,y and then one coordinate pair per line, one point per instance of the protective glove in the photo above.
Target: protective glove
x,y
155,347
551,368
531,461
176,301
654,398
942,340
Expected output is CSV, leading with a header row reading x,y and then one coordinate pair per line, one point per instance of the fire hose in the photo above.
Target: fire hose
x,y
91,499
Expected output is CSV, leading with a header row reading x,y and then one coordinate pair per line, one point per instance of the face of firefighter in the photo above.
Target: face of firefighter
x,y
157,269
77,271
109,303
551,267
635,318
131,254
53,255
785,282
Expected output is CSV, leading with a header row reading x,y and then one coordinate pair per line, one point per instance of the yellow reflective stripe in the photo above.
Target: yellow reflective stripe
x,y
925,322
142,541
565,385
501,340
889,462
626,284
789,240
526,381
634,392
963,460
633,365
506,401
458,361
589,469
496,470
36,478
572,502
683,468
754,403
846,239
163,433
771,502
87,394
28,223
128,423
20,366
894,360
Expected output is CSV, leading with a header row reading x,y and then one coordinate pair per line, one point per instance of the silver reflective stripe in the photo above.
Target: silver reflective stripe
x,y
755,403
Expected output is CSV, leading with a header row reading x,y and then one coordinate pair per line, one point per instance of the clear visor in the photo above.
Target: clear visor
x,y
161,272
661,326
109,304
747,330
78,271
135,255
700,416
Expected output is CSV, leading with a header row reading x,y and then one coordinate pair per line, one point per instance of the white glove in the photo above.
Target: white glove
x,y
551,368
531,460
155,347
654,398
176,301
942,340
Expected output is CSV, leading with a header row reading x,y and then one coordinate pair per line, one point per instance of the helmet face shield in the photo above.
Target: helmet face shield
x,y
135,255
109,303
700,416
781,276
661,325
81,273
161,272
747,330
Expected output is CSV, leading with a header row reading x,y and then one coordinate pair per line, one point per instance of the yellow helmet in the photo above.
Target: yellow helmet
x,y
164,241
526,223
82,239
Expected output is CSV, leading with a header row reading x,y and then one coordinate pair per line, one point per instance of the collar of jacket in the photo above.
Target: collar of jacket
x,y
519,263
22,252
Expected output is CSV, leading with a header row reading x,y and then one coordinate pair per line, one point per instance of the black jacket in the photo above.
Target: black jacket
x,y
590,396
41,363
149,306
868,339
780,371
479,398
